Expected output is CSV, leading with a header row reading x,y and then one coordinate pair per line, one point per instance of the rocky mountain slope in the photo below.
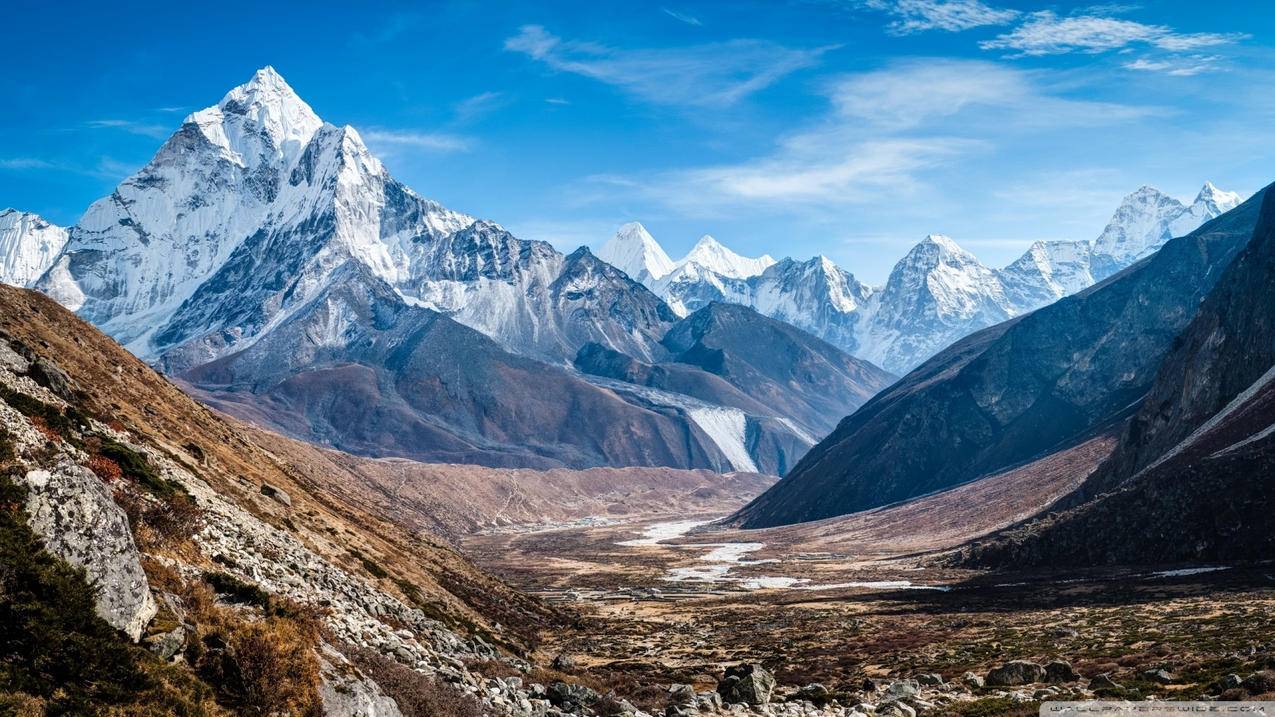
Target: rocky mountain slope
x,y
1190,479
936,294
201,542
777,386
360,369
28,246
1014,391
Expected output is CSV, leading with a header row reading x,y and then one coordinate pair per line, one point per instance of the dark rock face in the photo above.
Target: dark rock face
x,y
1015,673
800,376
748,683
1190,478
1012,392
1060,672
788,383
360,370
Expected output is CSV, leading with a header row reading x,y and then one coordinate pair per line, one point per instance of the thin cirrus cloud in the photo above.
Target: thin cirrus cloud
x,y
682,17
949,15
885,129
144,129
1188,67
478,105
712,75
1045,33
425,141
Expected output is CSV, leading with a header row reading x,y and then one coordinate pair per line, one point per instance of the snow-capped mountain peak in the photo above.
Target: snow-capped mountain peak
x,y
1218,199
714,256
28,246
265,105
635,252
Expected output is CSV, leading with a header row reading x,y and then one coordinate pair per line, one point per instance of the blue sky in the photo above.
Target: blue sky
x,y
849,128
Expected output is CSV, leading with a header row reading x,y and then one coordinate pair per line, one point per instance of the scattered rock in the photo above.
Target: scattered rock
x,y
563,661
814,693
1059,672
895,708
278,494
681,695
1228,682
971,680
708,701
930,679
73,513
51,376
571,697
902,689
1259,683
166,645
1063,633
1160,677
1015,673
345,692
748,683
1104,682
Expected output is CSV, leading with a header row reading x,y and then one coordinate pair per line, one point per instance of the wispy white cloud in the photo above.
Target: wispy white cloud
x,y
1046,33
884,132
917,92
557,101
480,104
144,129
19,163
712,75
106,167
426,141
1184,67
682,17
950,15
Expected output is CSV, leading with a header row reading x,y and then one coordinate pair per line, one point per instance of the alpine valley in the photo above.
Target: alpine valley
x,y
280,436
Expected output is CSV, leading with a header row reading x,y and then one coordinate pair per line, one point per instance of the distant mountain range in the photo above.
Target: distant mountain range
x,y
936,294
1037,384
269,261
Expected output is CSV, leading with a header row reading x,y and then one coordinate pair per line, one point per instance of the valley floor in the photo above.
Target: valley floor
x,y
675,599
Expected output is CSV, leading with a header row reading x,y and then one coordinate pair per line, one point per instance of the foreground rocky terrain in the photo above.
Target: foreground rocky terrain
x,y
239,572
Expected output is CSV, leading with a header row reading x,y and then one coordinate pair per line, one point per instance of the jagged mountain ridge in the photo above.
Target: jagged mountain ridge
x,y
1020,389
938,292
291,212
246,210
361,369
1191,478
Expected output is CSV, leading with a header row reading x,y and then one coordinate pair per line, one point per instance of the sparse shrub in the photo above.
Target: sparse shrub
x,y
370,565
43,428
137,469
6,447
416,694
105,468
238,590
278,668
175,519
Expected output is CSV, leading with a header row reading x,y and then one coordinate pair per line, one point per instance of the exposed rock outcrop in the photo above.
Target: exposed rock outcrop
x,y
72,510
